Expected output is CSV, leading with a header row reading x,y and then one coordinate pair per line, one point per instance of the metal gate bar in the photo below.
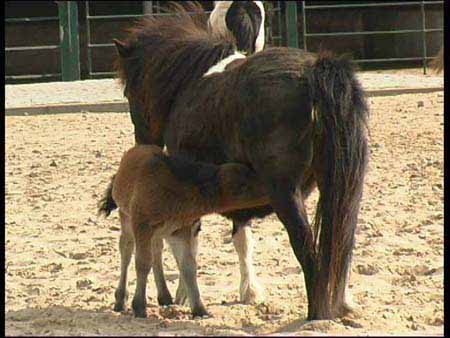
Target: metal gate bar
x,y
157,12
423,29
291,20
25,48
70,44
271,11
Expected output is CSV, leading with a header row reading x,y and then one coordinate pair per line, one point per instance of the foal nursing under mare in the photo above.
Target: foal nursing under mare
x,y
296,119
166,194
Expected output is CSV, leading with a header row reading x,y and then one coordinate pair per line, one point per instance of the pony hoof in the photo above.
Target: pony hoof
x,y
119,307
165,301
350,309
139,309
252,294
200,313
140,313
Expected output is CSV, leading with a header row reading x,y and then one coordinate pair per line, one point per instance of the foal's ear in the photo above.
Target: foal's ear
x,y
122,48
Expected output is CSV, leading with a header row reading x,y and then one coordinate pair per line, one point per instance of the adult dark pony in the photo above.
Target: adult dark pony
x,y
244,20
295,118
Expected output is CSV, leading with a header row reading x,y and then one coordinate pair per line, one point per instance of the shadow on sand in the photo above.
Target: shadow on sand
x,y
63,321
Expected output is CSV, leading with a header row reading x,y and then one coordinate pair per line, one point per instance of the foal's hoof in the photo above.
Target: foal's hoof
x,y
121,297
140,313
200,312
165,301
119,307
139,309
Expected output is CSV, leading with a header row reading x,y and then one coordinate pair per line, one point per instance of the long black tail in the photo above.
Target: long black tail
x,y
340,115
107,204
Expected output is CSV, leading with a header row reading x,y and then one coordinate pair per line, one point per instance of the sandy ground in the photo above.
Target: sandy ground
x,y
62,262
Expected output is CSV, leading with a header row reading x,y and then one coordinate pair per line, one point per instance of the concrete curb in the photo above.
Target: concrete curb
x,y
67,108
122,106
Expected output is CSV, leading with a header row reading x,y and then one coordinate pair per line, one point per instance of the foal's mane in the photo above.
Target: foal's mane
x,y
163,54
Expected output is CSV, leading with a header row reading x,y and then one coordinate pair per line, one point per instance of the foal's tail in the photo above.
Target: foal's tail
x,y
340,114
107,204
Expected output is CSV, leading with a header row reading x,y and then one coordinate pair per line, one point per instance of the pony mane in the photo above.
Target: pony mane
x,y
163,54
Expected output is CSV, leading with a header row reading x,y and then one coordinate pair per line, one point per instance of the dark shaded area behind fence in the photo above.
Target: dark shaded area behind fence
x,y
401,25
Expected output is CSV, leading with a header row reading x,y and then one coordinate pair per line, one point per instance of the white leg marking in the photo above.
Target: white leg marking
x,y
250,291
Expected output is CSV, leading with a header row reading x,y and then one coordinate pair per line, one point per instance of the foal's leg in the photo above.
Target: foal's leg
x,y
143,261
181,244
250,291
126,246
181,295
164,297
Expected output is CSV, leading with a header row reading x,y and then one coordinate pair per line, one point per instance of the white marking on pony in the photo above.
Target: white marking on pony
x,y
217,18
314,115
260,40
249,291
217,21
221,65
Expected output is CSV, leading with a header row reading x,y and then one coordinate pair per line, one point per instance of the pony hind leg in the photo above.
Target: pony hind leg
x,y
143,261
342,303
181,297
284,164
292,214
126,246
347,305
181,244
164,297
250,291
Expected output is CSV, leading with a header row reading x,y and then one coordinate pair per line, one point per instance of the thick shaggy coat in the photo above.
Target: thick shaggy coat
x,y
161,196
295,118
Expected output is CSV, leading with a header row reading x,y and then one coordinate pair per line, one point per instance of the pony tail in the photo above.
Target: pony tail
x,y
340,157
107,204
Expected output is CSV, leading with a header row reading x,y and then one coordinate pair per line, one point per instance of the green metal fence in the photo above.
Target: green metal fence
x,y
274,23
424,30
9,21
281,28
70,45
273,36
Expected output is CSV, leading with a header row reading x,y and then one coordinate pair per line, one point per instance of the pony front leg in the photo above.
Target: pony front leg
x,y
250,291
126,246
143,261
181,244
